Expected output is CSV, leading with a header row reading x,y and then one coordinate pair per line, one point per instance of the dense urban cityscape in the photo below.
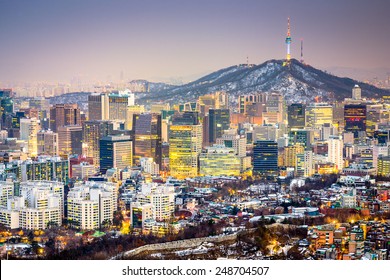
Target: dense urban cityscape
x,y
295,167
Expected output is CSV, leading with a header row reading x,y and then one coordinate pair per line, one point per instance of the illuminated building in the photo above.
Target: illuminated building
x,y
28,131
97,107
93,131
355,118
118,103
304,137
92,204
335,151
265,158
45,169
219,160
318,114
219,120
162,199
356,93
70,139
185,145
131,111
373,118
382,136
47,143
338,115
6,192
247,100
110,106
64,114
115,152
384,166
139,214
290,155
377,151
39,204
147,137
304,164
296,116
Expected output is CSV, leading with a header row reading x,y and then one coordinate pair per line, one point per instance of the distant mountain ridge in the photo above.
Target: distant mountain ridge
x,y
298,82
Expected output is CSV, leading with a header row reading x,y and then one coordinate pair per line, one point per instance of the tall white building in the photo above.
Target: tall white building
x,y
161,197
92,203
335,151
40,204
356,93
149,166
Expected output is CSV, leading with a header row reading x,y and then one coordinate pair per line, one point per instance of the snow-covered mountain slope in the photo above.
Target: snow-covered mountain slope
x,y
297,82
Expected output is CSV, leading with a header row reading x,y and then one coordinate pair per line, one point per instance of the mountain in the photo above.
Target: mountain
x,y
298,82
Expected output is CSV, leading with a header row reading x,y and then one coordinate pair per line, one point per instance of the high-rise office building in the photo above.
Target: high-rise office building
x,y
356,93
147,137
64,114
265,158
296,116
304,164
93,131
115,152
97,107
48,143
355,116
219,160
70,140
219,120
335,151
318,114
185,144
118,103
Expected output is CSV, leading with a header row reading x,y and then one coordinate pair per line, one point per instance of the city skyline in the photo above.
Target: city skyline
x,y
174,40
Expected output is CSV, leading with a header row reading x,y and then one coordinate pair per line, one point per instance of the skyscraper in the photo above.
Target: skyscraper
x,y
64,114
47,143
98,107
219,120
318,114
185,144
93,131
335,151
355,116
296,116
70,139
115,152
147,137
265,158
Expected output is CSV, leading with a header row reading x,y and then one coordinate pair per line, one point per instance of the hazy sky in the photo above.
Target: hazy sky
x,y
160,39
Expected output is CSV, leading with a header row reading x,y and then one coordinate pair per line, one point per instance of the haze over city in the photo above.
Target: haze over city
x,y
165,40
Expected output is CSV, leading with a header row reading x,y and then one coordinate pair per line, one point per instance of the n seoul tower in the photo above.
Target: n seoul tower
x,y
288,41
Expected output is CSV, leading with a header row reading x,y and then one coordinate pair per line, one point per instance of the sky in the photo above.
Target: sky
x,y
159,40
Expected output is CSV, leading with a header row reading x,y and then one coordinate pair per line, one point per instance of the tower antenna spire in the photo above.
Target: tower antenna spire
x,y
302,61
